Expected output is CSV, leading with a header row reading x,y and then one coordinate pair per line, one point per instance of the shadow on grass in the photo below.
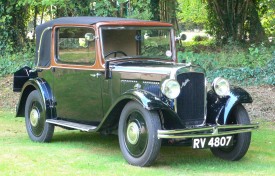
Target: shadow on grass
x,y
83,137
91,140
168,156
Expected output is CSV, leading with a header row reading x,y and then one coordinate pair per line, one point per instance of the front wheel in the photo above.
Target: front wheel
x,y
241,141
137,134
35,118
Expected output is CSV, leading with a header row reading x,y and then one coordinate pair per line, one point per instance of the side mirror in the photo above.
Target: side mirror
x,y
89,37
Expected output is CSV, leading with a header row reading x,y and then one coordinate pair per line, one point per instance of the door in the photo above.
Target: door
x,y
77,87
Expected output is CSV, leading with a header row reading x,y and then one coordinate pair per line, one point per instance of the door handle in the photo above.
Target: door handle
x,y
95,75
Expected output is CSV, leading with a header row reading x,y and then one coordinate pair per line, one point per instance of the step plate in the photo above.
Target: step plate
x,y
78,126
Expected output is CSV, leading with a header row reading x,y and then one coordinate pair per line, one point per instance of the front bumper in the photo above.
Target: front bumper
x,y
206,131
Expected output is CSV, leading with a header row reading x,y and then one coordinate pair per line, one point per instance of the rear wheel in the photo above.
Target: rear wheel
x,y
138,134
35,118
241,141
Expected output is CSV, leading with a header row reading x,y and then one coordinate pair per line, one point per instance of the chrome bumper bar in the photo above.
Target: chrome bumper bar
x,y
206,131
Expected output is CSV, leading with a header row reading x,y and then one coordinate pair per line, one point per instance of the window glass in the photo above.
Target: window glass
x,y
76,45
143,42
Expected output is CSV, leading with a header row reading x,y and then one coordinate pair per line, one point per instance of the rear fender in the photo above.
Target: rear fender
x,y
218,109
21,76
43,87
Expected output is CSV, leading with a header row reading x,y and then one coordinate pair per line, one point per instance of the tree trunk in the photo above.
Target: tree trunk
x,y
113,3
167,12
256,31
42,15
155,9
34,21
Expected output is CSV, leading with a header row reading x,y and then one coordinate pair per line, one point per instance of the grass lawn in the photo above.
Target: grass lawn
x,y
79,153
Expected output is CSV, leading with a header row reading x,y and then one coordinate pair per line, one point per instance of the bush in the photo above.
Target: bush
x,y
197,47
252,66
199,38
9,63
247,76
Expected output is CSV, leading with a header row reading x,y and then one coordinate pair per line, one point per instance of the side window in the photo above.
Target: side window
x,y
76,45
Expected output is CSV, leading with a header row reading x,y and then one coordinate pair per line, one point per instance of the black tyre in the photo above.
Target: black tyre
x,y
137,134
35,118
241,141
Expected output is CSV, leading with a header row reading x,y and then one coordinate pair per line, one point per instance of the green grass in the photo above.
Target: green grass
x,y
79,153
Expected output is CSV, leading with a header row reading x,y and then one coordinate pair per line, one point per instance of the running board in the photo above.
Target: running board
x,y
78,126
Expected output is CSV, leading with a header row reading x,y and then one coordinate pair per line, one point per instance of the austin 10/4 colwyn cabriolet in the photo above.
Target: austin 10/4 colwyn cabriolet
x,y
121,76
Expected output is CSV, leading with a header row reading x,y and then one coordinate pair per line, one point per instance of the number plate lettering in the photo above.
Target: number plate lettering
x,y
212,142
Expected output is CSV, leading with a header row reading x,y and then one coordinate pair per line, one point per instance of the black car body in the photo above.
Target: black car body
x,y
121,76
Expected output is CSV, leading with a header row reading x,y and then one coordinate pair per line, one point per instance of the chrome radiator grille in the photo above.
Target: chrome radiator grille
x,y
191,101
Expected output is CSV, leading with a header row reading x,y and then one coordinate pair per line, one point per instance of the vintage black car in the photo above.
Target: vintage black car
x,y
121,76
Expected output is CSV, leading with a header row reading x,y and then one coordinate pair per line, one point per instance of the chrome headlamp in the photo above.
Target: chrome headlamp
x,y
170,88
221,87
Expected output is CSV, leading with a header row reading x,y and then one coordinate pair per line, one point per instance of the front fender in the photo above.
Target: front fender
x,y
148,101
43,87
218,109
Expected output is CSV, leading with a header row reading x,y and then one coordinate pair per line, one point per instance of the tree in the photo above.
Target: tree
x,y
168,11
155,9
192,14
266,9
235,20
13,22
15,15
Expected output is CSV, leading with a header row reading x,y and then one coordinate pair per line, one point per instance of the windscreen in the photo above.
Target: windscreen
x,y
144,42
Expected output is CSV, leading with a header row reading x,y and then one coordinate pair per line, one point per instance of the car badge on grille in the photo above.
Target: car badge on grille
x,y
185,83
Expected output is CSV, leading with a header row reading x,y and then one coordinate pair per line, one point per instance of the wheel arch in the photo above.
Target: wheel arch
x,y
219,109
43,87
233,110
147,100
20,111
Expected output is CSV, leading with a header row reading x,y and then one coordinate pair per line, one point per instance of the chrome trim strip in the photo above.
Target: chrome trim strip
x,y
173,75
173,45
128,81
78,126
188,130
41,90
101,43
205,101
163,136
206,131
238,126
150,82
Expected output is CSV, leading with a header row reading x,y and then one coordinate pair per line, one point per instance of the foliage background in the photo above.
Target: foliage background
x,y
247,58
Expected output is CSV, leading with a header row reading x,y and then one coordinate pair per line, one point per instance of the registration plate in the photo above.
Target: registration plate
x,y
212,142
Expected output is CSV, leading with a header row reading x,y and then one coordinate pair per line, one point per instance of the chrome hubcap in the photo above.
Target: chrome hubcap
x,y
34,117
133,133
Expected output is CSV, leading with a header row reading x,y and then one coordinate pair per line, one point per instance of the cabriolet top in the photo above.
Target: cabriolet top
x,y
43,45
